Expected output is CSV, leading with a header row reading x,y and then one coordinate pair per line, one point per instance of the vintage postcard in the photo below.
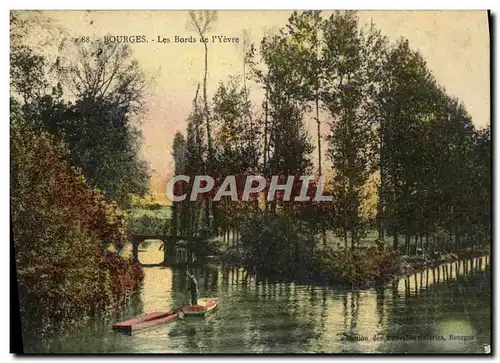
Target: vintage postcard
x,y
250,182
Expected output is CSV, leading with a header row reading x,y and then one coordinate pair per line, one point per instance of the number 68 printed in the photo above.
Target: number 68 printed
x,y
83,39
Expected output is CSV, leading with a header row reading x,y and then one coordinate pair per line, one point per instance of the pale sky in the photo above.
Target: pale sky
x,y
455,45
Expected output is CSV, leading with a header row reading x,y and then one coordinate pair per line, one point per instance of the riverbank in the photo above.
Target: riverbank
x,y
359,269
412,265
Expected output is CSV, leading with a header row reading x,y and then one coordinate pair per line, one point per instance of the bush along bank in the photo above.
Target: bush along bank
x,y
63,232
358,268
278,247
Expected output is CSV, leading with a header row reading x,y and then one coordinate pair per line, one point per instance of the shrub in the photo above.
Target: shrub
x,y
359,268
279,246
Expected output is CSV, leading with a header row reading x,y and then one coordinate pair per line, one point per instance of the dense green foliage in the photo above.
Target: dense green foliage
x,y
63,231
89,102
74,165
359,268
387,122
149,221
286,242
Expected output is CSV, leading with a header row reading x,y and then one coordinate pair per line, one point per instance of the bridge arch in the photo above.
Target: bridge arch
x,y
175,248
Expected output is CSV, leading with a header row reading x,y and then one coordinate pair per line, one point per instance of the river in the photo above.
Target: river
x,y
435,311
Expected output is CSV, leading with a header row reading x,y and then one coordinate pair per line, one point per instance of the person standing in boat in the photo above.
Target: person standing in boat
x,y
193,287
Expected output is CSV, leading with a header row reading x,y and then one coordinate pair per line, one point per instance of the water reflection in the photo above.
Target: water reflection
x,y
259,316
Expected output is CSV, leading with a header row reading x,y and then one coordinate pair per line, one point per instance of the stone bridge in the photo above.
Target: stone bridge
x,y
171,246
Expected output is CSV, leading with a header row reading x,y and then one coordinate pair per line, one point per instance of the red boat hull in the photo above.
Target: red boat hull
x,y
202,309
145,321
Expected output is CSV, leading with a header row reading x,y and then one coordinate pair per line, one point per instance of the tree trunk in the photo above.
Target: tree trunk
x,y
236,239
174,218
273,206
265,132
209,135
381,188
319,135
266,204
207,212
317,102
395,243
135,251
168,252
205,100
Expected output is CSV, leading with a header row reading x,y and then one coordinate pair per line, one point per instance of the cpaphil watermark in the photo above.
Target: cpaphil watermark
x,y
303,188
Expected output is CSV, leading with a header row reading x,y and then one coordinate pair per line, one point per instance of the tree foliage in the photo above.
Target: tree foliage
x,y
384,118
74,163
63,233
88,102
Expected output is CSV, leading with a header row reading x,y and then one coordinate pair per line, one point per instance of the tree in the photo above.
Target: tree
x,y
194,164
287,83
179,155
480,185
64,232
344,96
202,22
244,47
236,152
304,29
107,92
375,51
234,132
403,102
29,62
105,72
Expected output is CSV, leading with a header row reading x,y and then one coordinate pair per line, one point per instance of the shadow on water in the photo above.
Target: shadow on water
x,y
259,316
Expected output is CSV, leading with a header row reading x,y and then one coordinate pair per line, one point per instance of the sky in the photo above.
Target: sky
x,y
455,45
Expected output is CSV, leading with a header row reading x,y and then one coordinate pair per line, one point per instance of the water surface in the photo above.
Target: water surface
x,y
436,311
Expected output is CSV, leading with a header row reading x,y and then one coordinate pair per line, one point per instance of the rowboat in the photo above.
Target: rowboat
x,y
146,321
204,307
